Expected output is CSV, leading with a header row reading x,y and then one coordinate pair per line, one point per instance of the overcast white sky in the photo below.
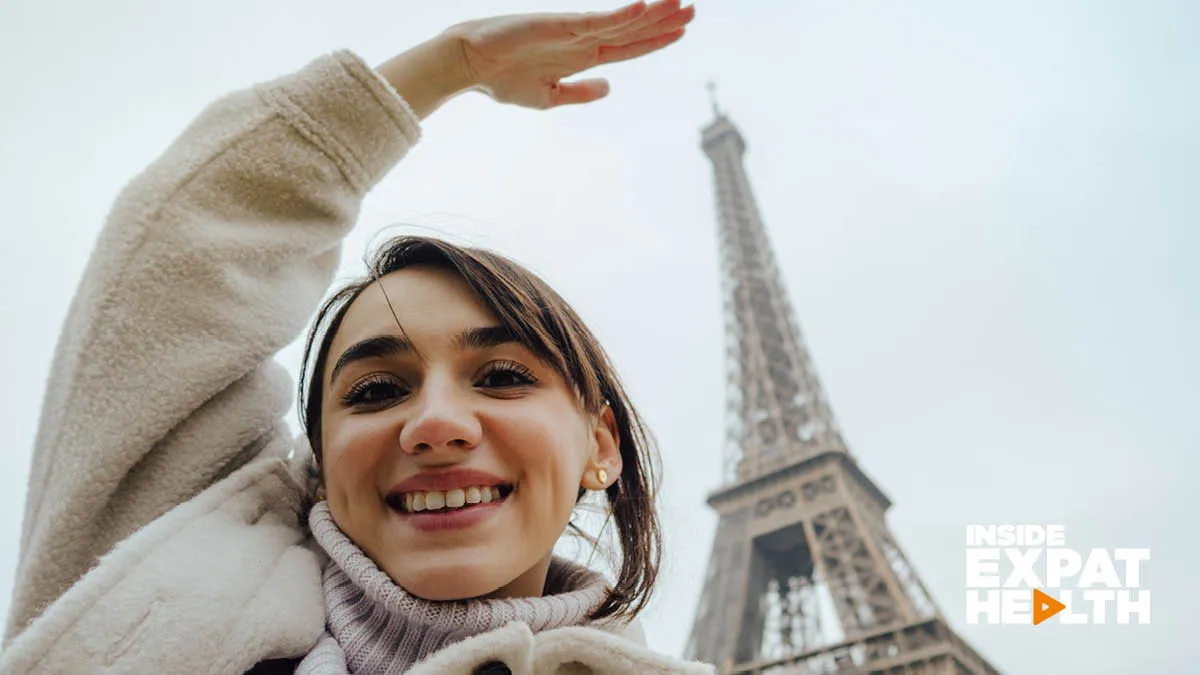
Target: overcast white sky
x,y
985,213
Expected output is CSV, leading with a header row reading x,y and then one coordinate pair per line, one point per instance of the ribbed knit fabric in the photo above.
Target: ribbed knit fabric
x,y
374,626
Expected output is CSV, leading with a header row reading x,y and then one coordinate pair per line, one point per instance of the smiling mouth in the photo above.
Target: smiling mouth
x,y
447,501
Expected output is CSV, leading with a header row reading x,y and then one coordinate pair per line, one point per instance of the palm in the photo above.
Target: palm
x,y
522,59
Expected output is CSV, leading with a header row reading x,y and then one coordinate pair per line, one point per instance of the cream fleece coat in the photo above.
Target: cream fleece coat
x,y
162,529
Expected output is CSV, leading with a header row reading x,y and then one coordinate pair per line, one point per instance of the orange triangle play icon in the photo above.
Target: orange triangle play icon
x,y
1044,607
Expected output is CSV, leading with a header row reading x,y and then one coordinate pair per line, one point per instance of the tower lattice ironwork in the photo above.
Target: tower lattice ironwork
x,y
804,575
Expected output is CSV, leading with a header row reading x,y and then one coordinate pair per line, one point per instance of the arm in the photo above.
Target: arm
x,y
210,261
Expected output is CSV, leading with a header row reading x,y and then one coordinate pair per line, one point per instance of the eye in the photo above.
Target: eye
x,y
376,391
504,375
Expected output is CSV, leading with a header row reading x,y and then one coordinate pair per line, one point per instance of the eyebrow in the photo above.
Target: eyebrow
x,y
381,346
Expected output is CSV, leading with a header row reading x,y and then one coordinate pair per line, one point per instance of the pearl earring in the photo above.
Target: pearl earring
x,y
602,476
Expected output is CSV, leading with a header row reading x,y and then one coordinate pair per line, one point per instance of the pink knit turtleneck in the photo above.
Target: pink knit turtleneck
x,y
374,626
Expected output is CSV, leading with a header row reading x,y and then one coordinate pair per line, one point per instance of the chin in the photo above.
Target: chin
x,y
443,582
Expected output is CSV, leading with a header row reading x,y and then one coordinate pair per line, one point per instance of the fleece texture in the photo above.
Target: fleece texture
x,y
575,650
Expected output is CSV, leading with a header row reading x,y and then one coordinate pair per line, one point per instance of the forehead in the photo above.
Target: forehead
x,y
428,302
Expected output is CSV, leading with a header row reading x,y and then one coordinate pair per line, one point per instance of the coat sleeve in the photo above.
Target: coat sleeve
x,y
210,261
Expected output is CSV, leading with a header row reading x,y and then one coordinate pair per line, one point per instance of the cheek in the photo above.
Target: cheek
x,y
548,449
354,450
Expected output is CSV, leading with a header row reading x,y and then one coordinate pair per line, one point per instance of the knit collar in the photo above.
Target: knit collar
x,y
380,628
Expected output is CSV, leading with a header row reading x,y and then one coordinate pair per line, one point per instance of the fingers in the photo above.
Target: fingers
x,y
612,54
595,22
654,13
667,24
581,91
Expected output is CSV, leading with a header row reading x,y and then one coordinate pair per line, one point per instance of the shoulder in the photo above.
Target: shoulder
x,y
606,651
562,650
630,631
233,566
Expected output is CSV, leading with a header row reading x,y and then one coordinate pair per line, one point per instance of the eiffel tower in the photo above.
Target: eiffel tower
x,y
804,576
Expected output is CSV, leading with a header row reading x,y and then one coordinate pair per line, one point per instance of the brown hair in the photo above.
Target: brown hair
x,y
547,325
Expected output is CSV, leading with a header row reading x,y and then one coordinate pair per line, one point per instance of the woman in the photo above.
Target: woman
x,y
456,409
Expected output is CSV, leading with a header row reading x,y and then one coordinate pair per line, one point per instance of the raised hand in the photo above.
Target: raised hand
x,y
522,59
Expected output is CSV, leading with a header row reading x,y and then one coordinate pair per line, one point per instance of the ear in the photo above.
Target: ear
x,y
306,464
606,452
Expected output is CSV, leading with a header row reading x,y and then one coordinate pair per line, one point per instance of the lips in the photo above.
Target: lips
x,y
458,489
449,479
434,512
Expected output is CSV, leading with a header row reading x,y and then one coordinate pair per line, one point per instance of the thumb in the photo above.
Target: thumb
x,y
581,91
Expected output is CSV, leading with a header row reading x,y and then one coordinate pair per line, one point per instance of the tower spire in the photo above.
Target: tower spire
x,y
712,97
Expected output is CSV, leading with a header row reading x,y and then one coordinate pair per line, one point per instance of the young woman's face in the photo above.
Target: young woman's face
x,y
451,454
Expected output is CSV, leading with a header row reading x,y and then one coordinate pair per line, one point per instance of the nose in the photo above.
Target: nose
x,y
442,420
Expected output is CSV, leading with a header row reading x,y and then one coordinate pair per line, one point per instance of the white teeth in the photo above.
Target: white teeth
x,y
415,502
435,500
